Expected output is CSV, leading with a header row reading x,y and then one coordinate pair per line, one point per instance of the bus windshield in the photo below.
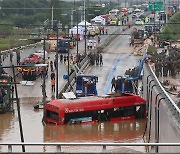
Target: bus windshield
x,y
52,115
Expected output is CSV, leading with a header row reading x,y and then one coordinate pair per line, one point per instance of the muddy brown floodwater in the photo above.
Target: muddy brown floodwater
x,y
34,131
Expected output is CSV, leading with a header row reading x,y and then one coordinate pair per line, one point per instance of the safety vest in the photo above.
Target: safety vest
x,y
119,23
146,20
142,22
20,69
52,82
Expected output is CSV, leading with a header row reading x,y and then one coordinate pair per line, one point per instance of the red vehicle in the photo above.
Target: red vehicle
x,y
124,11
30,72
94,109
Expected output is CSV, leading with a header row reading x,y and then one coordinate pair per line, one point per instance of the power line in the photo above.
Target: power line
x,y
175,23
32,34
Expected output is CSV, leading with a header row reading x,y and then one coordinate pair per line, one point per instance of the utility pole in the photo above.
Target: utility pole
x,y
44,81
44,78
52,18
154,14
57,64
18,109
84,9
85,33
77,37
118,4
68,70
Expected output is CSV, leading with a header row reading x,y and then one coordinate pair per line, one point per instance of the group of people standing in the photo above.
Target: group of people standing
x,y
96,58
167,63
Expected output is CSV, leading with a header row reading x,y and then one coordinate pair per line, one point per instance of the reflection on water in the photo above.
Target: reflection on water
x,y
124,131
6,123
34,131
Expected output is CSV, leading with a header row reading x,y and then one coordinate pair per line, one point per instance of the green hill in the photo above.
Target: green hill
x,y
172,30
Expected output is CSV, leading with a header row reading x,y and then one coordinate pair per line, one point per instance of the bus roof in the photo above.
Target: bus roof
x,y
96,102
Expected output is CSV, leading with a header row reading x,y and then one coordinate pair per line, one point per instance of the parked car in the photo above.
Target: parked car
x,y
138,22
136,15
91,44
130,10
40,53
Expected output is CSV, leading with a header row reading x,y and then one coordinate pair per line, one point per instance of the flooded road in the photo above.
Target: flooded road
x,y
34,131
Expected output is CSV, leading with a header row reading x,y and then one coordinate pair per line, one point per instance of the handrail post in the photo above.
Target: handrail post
x,y
104,147
158,128
9,148
58,148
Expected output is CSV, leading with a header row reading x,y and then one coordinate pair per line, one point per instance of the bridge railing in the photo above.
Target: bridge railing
x,y
60,145
163,114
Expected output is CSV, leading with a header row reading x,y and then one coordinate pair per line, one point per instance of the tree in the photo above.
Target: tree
x,y
6,28
172,31
10,9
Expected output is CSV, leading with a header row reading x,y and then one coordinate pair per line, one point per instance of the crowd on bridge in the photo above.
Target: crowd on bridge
x,y
167,62
96,59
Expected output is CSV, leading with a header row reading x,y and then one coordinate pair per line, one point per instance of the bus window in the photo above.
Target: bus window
x,y
71,118
140,111
52,115
129,111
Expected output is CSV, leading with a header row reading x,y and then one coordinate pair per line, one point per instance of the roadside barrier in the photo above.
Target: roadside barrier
x,y
61,147
77,70
162,112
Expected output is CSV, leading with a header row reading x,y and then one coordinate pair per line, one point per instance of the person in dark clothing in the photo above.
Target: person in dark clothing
x,y
64,59
11,56
97,59
55,63
101,59
99,39
67,57
113,84
103,30
52,75
46,72
51,65
61,58
71,57
43,90
42,73
18,57
53,85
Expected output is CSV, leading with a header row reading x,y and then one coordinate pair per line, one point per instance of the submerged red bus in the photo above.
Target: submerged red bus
x,y
94,109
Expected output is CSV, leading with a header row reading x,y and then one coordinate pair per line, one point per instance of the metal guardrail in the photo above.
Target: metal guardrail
x,y
160,88
104,145
164,91
155,95
83,64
